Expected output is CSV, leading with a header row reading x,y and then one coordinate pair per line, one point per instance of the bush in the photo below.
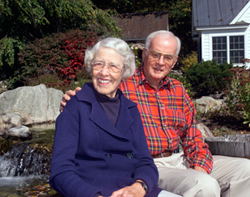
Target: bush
x,y
184,81
137,49
188,61
207,77
61,54
238,94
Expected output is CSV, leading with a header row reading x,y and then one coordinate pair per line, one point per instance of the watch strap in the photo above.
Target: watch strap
x,y
144,185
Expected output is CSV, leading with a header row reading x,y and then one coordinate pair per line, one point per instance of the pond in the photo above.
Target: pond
x,y
24,169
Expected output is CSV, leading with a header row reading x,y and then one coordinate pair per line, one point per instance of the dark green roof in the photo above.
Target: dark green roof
x,y
215,12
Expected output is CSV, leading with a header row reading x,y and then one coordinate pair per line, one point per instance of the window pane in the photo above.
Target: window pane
x,y
236,48
219,49
220,56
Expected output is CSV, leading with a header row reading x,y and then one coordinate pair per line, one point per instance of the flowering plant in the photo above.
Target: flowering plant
x,y
238,94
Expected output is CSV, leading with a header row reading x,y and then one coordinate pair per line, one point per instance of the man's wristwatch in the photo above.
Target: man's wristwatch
x,y
144,185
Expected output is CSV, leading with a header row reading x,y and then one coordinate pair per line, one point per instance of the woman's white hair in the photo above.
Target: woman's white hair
x,y
167,34
120,47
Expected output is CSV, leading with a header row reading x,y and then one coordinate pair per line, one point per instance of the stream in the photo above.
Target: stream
x,y
25,164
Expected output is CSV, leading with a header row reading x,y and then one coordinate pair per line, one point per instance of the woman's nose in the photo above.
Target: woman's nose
x,y
105,70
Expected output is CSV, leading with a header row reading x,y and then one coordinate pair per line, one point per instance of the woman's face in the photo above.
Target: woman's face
x,y
107,70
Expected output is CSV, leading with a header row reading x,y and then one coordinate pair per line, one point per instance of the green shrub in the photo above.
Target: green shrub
x,y
238,94
138,53
207,77
188,61
184,81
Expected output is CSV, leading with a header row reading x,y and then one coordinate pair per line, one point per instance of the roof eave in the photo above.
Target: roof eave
x,y
221,27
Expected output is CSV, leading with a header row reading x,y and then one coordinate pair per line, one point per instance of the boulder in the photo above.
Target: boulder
x,y
35,104
20,132
208,104
204,131
8,121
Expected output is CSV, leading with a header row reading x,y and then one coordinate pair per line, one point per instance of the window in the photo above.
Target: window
x,y
228,48
236,48
220,49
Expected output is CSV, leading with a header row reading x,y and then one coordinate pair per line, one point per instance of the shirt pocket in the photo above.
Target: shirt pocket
x,y
175,120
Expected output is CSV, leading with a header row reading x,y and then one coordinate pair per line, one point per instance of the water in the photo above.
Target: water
x,y
24,170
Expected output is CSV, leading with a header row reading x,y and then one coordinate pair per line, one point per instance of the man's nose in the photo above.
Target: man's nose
x,y
161,60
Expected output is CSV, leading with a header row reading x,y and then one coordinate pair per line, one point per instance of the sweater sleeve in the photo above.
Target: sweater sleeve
x,y
62,176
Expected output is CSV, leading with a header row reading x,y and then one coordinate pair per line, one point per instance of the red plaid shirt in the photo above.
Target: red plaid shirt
x,y
168,116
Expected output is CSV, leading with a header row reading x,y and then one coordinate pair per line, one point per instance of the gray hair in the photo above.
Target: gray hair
x,y
166,34
120,47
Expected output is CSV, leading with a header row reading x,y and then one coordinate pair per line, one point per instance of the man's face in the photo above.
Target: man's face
x,y
157,59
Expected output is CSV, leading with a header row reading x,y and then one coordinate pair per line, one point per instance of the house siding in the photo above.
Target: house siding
x,y
247,45
246,18
207,36
216,18
205,50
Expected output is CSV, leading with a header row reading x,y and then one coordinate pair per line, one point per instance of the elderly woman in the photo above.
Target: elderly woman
x,y
100,147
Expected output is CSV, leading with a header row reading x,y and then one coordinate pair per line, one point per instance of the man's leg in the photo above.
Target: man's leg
x,y
176,176
233,175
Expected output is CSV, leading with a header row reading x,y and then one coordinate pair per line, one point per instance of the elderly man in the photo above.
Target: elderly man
x,y
168,117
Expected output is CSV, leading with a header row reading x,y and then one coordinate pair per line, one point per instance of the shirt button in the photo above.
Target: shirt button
x,y
129,155
108,155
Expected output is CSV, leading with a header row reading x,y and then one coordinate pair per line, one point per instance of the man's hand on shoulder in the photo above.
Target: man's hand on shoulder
x,y
66,97
198,168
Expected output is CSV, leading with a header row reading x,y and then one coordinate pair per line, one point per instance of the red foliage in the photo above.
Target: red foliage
x,y
75,46
60,53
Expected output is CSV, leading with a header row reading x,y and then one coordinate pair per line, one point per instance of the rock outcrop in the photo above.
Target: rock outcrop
x,y
208,104
34,104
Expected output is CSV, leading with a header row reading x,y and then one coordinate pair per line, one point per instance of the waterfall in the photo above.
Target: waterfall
x,y
25,163
23,160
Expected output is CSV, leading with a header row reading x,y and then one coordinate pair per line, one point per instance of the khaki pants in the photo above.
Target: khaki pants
x,y
230,177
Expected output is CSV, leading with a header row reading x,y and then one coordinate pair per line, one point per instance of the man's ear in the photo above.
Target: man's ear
x,y
144,53
176,59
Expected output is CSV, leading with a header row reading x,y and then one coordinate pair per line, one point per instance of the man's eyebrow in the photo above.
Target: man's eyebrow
x,y
163,53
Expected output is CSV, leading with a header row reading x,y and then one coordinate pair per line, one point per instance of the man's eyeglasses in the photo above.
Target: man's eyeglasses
x,y
112,67
155,56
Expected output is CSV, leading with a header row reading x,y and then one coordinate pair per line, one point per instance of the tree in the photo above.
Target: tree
x,y
22,21
30,19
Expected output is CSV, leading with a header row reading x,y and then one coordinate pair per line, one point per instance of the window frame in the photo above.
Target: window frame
x,y
228,44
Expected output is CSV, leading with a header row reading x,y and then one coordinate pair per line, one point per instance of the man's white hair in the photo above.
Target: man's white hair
x,y
166,34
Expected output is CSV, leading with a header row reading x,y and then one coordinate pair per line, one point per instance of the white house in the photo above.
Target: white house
x,y
222,30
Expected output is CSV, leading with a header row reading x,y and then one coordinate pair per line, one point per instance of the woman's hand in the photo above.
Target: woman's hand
x,y
66,97
135,190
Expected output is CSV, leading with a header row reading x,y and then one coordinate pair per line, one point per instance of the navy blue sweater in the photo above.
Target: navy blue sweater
x,y
91,155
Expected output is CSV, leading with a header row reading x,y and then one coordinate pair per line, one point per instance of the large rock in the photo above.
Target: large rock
x,y
8,121
208,104
20,132
35,104
204,131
